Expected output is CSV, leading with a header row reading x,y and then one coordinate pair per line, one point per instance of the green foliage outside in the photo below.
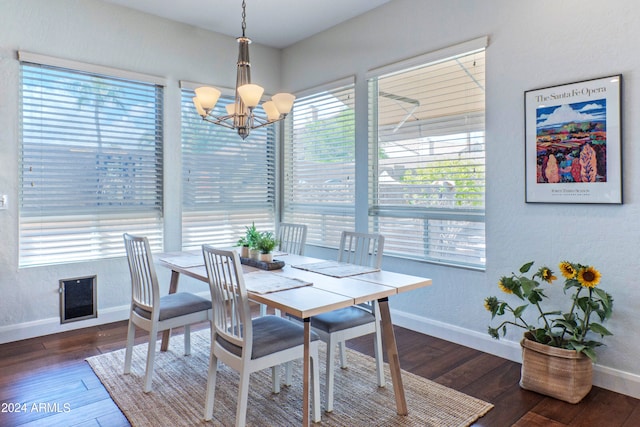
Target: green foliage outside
x,y
466,175
331,140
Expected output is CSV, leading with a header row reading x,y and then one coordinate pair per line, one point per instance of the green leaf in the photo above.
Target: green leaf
x,y
519,310
577,346
569,325
501,308
599,329
525,268
528,285
590,353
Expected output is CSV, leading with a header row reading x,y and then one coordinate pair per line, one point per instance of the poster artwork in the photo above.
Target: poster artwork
x,y
571,142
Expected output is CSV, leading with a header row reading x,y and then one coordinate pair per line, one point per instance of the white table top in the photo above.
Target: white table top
x,y
326,293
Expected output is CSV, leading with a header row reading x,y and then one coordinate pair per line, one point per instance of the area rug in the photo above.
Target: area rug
x,y
179,381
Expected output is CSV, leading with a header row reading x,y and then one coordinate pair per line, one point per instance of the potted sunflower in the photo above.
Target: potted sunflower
x,y
557,350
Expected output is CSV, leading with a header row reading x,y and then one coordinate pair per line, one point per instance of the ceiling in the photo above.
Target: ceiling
x,y
276,23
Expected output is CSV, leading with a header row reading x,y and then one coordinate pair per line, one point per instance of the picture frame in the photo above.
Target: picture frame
x,y
573,142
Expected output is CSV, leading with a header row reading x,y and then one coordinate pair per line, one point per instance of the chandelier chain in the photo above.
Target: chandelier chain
x,y
244,17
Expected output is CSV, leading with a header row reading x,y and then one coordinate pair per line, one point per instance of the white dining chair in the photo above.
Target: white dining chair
x,y
336,327
248,345
153,313
291,238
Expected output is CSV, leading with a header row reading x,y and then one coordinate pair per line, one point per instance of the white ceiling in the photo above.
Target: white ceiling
x,y
276,23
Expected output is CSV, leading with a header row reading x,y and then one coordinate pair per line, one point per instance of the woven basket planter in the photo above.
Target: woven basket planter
x,y
557,372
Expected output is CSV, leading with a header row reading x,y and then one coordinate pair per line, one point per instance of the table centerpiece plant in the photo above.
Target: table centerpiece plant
x,y
567,335
249,242
266,244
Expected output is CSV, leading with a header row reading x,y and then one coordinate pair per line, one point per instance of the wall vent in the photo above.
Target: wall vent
x,y
78,299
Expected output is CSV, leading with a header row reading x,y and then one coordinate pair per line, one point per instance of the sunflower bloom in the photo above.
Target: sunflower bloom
x,y
589,277
546,275
503,288
567,270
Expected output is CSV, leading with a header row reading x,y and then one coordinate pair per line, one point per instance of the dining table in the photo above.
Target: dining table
x,y
319,286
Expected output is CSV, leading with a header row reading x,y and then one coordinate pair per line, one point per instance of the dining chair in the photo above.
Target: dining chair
x,y
292,238
248,345
338,326
155,313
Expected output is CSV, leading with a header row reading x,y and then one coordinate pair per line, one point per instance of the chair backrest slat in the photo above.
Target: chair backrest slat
x,y
231,312
144,282
292,238
361,248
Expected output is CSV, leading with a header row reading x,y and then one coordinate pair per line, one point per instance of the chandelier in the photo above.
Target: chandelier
x,y
241,114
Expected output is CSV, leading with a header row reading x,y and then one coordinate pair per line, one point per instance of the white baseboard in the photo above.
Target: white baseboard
x,y
38,328
608,378
52,325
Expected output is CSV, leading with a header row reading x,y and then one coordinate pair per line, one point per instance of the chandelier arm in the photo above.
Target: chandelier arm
x,y
222,121
265,122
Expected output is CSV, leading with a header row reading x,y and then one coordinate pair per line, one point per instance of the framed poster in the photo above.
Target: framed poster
x,y
573,142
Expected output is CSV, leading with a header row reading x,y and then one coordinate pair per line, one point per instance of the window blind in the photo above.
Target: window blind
x,y
91,164
428,155
228,183
319,164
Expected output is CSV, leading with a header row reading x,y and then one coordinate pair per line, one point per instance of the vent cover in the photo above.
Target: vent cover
x,y
78,299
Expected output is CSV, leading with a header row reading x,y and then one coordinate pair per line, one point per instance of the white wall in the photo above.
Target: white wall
x,y
99,33
532,44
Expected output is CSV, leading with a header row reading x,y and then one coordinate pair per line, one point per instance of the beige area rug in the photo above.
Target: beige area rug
x,y
179,381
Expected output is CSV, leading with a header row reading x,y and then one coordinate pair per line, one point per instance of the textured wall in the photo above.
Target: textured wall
x,y
531,45
100,33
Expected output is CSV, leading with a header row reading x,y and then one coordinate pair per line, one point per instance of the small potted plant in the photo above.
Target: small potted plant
x,y
250,239
558,351
266,244
243,243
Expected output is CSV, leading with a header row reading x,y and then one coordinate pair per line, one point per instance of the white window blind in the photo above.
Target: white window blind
x,y
91,164
319,165
428,155
228,183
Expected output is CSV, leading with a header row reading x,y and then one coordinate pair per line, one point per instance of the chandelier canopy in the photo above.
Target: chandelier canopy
x,y
241,114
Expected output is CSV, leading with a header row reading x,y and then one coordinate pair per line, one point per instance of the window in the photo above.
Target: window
x,y
228,183
319,164
91,163
427,150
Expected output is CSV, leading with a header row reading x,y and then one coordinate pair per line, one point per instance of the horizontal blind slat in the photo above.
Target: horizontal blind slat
x,y
428,150
228,183
91,151
319,165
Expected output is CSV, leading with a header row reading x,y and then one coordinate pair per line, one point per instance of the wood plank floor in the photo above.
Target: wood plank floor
x,y
49,380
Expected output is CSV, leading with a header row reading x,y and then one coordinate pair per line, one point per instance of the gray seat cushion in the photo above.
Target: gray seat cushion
x,y
178,304
270,335
343,318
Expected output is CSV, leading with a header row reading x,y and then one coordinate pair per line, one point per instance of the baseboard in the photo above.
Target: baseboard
x,y
52,325
38,328
608,378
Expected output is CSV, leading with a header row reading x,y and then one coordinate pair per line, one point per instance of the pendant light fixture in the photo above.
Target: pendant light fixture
x,y
241,114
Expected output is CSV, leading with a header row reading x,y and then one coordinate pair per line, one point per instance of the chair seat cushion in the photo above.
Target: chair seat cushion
x,y
271,334
178,304
341,319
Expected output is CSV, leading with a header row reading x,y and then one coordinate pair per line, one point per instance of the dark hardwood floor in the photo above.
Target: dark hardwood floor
x,y
45,381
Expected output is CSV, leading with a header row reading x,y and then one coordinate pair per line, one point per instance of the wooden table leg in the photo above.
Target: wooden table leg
x,y
305,372
173,288
392,353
